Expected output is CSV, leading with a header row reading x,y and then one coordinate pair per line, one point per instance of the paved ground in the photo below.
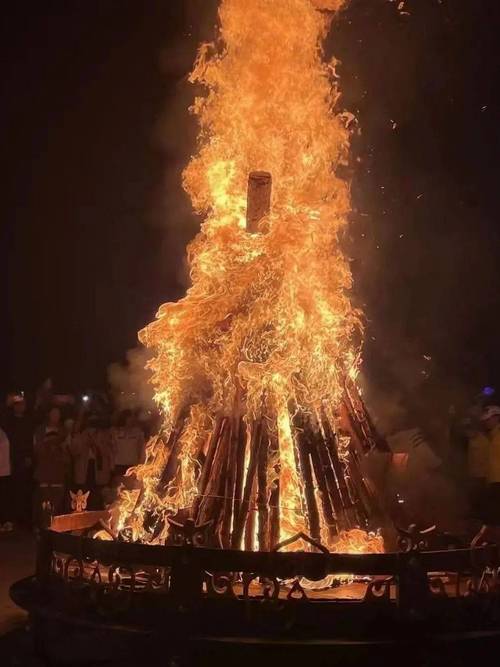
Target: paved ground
x,y
17,560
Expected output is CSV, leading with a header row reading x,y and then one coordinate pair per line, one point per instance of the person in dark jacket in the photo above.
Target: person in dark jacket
x,y
51,466
19,430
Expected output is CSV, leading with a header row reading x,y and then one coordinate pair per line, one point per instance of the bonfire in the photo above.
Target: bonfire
x,y
255,369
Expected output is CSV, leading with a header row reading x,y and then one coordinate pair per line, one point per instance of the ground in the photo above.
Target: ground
x,y
17,560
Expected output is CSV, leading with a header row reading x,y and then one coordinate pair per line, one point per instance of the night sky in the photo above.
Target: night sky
x,y
94,221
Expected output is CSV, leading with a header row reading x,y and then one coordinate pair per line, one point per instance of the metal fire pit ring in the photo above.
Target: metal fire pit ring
x,y
93,599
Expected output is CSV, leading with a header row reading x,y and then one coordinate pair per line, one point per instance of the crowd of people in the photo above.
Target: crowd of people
x,y
53,451
456,485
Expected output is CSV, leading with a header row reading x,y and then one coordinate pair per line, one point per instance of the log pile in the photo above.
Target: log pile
x,y
239,485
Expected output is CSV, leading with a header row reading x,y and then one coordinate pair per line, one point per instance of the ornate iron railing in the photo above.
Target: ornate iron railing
x,y
267,592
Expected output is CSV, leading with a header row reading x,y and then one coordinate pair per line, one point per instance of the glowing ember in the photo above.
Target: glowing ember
x,y
267,333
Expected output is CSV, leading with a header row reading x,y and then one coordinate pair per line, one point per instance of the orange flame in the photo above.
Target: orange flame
x,y
268,316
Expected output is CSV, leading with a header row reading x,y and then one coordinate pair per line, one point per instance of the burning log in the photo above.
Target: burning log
x,y
207,466
263,494
332,448
239,475
305,466
212,494
258,199
213,502
360,422
155,522
321,469
230,487
250,523
173,445
274,499
322,462
249,483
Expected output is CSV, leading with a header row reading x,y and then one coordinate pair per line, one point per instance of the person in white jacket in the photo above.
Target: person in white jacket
x,y
5,484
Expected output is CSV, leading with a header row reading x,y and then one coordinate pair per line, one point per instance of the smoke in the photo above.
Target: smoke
x,y
175,136
422,275
130,382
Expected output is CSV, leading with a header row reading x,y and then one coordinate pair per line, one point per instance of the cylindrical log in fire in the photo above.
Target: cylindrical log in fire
x,y
258,199
240,474
274,499
326,483
241,519
207,466
230,505
263,494
306,471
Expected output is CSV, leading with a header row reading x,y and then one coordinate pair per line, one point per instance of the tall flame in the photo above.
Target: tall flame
x,y
267,324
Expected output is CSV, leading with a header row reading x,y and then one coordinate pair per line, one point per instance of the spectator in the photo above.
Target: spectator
x,y
477,466
92,460
457,456
43,398
51,466
490,531
6,524
128,443
424,495
19,430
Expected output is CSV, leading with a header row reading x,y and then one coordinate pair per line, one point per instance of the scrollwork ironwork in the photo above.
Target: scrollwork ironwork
x,y
379,589
157,579
269,587
296,592
73,569
220,585
414,539
117,579
189,534
305,538
437,586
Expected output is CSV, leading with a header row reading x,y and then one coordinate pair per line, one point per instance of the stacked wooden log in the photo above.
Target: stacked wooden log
x,y
239,486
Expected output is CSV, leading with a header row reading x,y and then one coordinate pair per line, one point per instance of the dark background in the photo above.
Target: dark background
x,y
94,222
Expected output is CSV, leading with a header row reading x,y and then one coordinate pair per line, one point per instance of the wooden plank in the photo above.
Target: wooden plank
x,y
230,483
252,469
240,471
263,493
207,466
78,520
211,498
308,483
321,466
274,498
331,445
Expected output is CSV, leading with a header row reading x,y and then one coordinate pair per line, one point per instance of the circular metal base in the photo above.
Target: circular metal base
x,y
120,603
62,639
